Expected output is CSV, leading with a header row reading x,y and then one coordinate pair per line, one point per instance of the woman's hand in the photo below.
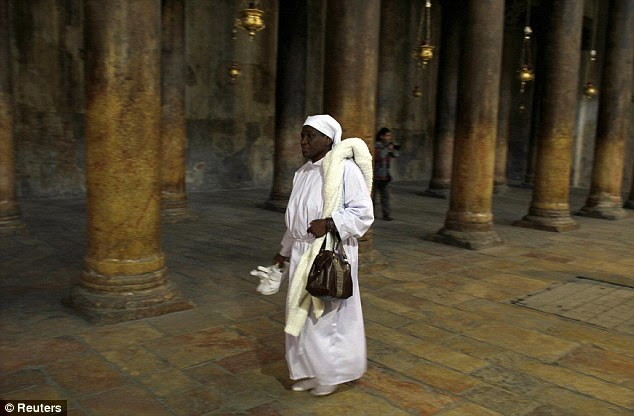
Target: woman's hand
x,y
318,228
279,260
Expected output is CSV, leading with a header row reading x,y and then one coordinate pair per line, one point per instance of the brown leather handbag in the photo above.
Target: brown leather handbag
x,y
330,276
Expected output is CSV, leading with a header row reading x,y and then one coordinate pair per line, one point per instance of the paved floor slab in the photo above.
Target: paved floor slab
x,y
443,336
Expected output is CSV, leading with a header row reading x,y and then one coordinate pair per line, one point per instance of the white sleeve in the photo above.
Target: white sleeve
x,y
357,214
287,244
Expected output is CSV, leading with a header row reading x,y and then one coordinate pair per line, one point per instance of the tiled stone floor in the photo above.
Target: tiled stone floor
x,y
599,303
443,337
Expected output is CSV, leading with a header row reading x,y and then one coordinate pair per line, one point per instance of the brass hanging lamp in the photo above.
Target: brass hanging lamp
x,y
525,72
590,90
250,19
424,53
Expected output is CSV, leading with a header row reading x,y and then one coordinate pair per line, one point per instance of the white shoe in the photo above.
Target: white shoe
x,y
304,385
322,390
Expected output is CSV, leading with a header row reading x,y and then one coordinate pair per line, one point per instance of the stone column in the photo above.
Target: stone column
x,y
351,66
510,50
630,201
549,208
290,97
173,131
540,39
531,157
605,199
469,222
9,210
447,94
124,274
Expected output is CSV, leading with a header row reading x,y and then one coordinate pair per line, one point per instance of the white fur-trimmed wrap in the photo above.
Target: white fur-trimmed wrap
x,y
299,299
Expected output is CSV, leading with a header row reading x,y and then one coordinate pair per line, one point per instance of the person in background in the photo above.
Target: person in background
x,y
384,150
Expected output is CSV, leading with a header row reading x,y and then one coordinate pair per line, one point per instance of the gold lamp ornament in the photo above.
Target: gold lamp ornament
x,y
234,71
425,52
590,90
417,93
251,19
525,73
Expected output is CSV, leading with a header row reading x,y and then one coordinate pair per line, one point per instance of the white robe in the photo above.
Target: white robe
x,y
331,348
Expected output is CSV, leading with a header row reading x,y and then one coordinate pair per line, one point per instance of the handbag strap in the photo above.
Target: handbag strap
x,y
323,245
339,245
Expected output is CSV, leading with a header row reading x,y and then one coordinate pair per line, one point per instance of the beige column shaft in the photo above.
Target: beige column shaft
x,y
124,273
469,222
351,70
9,210
605,199
173,130
351,66
549,208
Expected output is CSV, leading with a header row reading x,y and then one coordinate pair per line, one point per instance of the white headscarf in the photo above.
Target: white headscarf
x,y
327,125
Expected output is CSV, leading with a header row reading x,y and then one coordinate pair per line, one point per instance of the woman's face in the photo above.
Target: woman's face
x,y
386,138
314,143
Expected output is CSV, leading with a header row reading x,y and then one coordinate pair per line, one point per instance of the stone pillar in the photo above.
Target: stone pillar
x,y
531,157
630,201
446,98
290,97
605,199
351,66
469,222
510,50
10,220
549,208
173,131
124,274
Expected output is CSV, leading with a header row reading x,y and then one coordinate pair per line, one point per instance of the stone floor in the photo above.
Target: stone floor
x,y
444,337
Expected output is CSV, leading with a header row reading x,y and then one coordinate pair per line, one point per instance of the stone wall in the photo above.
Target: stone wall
x,y
49,97
230,127
411,119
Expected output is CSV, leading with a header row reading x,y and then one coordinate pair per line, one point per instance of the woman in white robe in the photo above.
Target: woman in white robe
x,y
330,350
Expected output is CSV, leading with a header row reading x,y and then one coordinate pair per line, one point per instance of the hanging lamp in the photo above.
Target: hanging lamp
x,y
590,90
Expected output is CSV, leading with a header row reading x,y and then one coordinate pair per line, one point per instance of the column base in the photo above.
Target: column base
x,y
605,211
120,304
554,223
176,215
174,208
278,205
472,240
441,193
11,222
